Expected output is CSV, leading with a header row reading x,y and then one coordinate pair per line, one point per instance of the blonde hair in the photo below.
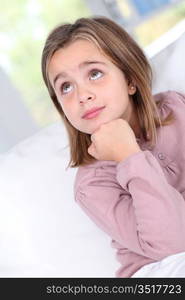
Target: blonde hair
x,y
125,53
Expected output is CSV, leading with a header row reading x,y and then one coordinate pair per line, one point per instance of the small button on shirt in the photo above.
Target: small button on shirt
x,y
161,156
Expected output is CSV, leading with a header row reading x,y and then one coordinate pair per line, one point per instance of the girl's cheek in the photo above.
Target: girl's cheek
x,y
101,83
67,105
58,96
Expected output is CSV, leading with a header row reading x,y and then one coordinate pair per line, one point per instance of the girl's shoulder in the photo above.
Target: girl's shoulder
x,y
170,100
172,134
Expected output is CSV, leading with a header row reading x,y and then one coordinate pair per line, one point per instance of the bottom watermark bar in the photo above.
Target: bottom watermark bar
x,y
48,288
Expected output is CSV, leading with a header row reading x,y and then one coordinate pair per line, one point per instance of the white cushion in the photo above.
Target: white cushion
x,y
168,67
43,231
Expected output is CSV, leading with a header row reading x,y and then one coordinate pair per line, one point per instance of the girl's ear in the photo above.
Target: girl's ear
x,y
131,88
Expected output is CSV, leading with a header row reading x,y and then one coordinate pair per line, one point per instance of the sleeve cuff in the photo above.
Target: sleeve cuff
x,y
137,165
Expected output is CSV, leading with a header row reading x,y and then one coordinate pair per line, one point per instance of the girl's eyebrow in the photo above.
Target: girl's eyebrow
x,y
81,65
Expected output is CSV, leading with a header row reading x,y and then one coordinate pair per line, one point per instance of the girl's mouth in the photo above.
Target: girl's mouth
x,y
94,114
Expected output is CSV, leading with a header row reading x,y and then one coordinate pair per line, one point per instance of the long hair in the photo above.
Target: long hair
x,y
125,53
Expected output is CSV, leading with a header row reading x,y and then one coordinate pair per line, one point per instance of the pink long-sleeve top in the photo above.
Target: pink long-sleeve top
x,y
140,201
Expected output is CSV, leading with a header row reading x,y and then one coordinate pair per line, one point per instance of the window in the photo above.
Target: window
x,y
147,20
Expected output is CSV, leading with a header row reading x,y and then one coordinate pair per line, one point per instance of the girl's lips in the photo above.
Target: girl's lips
x,y
94,114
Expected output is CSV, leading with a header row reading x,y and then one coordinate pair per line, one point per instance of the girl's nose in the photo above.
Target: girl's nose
x,y
85,95
86,99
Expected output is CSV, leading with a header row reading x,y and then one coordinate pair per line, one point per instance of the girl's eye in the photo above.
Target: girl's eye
x,y
96,74
66,87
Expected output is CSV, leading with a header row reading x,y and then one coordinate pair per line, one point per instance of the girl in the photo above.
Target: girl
x,y
128,145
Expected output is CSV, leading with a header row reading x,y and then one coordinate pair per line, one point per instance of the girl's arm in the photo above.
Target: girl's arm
x,y
136,207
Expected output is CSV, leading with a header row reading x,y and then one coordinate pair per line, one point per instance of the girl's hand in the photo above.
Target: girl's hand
x,y
114,140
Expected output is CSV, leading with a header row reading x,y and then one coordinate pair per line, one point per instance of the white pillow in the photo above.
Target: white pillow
x,y
43,231
169,66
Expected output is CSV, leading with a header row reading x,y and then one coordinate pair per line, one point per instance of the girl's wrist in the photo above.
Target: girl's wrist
x,y
123,156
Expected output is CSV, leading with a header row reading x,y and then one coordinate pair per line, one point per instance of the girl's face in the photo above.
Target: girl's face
x,y
84,78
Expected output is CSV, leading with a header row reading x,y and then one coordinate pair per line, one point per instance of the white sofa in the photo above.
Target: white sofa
x,y
43,232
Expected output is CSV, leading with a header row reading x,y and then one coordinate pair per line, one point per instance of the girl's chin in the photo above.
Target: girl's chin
x,y
94,128
94,125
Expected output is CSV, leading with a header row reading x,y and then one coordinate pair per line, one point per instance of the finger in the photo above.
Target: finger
x,y
91,150
93,137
